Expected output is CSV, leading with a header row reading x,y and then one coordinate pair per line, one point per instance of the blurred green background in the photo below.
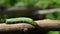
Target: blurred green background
x,y
43,4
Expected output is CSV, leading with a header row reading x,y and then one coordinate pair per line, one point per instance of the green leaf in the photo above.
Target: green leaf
x,y
58,16
53,32
53,1
42,3
2,20
5,3
55,16
12,2
2,2
58,1
20,4
50,16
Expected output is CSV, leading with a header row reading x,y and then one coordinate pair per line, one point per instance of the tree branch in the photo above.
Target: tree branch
x,y
46,11
13,27
48,24
37,10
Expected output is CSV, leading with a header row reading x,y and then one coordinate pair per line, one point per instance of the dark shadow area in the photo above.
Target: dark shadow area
x,y
32,31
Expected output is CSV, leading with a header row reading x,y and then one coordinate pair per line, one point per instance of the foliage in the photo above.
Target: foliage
x,y
53,32
53,16
31,3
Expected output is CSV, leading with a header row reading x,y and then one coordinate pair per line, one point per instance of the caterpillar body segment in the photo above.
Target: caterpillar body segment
x,y
20,20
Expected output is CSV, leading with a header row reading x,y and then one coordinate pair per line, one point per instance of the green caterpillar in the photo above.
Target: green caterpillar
x,y
20,20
